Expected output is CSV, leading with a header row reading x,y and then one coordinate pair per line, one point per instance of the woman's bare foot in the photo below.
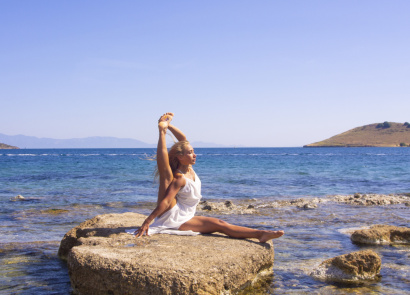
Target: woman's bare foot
x,y
270,234
164,121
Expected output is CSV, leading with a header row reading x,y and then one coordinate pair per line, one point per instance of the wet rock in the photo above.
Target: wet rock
x,y
302,203
307,206
103,259
382,234
371,199
356,267
229,204
54,211
227,207
17,198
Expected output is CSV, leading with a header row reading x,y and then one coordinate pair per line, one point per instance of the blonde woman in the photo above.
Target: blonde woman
x,y
180,192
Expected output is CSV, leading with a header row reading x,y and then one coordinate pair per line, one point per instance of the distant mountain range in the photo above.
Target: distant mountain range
x,y
32,142
387,134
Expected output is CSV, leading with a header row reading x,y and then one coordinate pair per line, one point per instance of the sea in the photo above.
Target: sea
x,y
63,187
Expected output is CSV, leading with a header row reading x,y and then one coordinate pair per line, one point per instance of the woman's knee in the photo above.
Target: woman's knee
x,y
220,224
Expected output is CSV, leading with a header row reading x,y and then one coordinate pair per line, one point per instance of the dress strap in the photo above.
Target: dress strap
x,y
188,177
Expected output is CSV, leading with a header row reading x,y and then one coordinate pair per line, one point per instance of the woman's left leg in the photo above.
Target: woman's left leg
x,y
207,225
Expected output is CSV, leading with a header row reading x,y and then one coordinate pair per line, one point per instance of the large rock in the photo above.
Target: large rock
x,y
103,259
382,235
354,267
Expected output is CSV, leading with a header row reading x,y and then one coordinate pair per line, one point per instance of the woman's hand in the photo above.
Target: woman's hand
x,y
143,229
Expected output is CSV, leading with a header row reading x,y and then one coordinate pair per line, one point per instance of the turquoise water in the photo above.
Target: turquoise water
x,y
64,187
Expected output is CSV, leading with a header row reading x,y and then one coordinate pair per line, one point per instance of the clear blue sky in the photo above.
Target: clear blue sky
x,y
250,73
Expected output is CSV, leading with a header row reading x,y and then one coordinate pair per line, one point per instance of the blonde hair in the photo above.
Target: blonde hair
x,y
176,150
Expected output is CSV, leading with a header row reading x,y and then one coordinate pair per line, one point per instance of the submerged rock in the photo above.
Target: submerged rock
x,y
17,198
307,206
103,259
356,267
54,211
382,234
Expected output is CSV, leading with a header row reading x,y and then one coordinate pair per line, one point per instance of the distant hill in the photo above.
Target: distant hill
x,y
31,142
385,134
8,147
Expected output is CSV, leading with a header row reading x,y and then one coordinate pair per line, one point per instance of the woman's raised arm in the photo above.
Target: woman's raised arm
x,y
177,133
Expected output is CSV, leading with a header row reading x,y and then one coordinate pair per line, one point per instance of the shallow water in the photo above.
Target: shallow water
x,y
62,188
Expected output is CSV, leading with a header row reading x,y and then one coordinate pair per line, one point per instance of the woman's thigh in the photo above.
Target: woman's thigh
x,y
203,224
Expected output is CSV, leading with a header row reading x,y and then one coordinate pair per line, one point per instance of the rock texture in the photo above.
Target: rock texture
x,y
372,199
227,207
382,234
103,259
354,267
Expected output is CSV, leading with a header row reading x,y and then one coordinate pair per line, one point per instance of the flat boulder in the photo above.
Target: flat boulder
x,y
356,267
382,235
103,259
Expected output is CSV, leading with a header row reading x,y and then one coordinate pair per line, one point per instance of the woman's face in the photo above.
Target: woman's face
x,y
188,157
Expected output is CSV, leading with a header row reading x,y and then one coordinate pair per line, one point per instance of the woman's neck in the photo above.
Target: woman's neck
x,y
183,168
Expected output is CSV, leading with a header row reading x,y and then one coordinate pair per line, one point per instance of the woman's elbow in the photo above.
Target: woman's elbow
x,y
165,204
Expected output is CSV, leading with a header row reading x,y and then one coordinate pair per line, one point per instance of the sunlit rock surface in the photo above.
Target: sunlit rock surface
x,y
381,235
354,267
103,259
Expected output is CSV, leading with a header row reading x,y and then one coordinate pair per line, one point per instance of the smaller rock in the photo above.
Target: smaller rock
x,y
250,207
356,267
18,198
207,207
382,235
307,206
357,196
229,204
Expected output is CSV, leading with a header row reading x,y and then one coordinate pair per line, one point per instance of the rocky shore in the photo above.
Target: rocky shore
x,y
254,206
103,259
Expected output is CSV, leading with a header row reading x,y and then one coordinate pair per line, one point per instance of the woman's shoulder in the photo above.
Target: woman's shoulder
x,y
179,178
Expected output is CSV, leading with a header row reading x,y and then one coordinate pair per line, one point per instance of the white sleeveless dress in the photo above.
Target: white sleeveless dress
x,y
188,198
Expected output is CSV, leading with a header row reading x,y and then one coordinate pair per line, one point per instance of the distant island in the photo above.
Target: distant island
x,y
7,147
386,134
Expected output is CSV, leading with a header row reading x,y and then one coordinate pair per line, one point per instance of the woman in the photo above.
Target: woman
x,y
177,203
